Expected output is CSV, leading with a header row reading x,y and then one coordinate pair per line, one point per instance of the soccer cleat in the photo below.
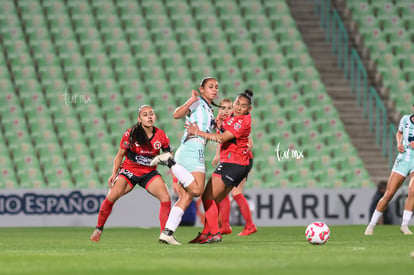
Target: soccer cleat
x,y
163,159
216,238
369,230
404,229
168,239
225,230
248,230
200,237
96,235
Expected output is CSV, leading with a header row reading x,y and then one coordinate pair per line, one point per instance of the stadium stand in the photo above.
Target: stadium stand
x,y
386,27
75,72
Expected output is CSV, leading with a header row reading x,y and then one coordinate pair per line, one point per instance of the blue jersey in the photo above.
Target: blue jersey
x,y
202,114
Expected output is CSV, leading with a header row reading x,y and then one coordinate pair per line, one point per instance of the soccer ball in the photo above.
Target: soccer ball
x,y
317,233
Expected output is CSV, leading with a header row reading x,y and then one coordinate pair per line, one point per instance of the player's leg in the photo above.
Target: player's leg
x,y
213,194
174,219
394,183
205,232
224,210
408,208
188,167
120,187
157,187
241,201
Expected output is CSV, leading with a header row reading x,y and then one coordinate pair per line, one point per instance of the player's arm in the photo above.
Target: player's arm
x,y
116,165
250,144
216,158
184,109
399,137
192,128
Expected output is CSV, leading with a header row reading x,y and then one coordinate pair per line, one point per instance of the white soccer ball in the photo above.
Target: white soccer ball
x,y
317,233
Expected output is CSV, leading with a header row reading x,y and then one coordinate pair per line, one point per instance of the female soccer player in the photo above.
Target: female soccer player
x,y
139,145
188,166
234,162
403,166
224,206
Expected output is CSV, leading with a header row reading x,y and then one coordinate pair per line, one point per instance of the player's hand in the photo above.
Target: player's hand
x,y
194,96
215,161
219,121
192,128
111,180
401,148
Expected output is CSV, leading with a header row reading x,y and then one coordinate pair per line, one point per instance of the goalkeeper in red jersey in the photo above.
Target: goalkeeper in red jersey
x,y
138,146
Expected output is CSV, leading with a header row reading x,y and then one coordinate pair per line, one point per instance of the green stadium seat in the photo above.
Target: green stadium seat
x,y
8,100
7,8
141,50
8,175
236,34
58,176
83,171
228,23
30,176
11,34
44,55
128,10
103,7
168,48
79,7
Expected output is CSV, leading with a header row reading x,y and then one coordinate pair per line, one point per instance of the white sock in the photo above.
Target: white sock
x,y
375,217
183,176
406,217
174,218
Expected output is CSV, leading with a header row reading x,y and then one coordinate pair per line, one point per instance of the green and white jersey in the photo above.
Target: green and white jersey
x,y
406,126
202,114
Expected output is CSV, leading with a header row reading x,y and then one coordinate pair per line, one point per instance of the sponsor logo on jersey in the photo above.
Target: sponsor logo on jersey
x,y
157,145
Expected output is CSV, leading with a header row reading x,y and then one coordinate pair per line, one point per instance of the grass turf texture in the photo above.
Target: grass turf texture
x,y
272,250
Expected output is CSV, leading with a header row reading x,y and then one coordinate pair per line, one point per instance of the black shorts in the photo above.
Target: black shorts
x,y
250,166
142,181
232,174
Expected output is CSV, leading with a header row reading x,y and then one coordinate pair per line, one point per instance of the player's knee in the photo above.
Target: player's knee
x,y
387,197
411,192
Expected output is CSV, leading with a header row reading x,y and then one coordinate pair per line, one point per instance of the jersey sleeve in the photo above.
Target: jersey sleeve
x,y
401,125
166,147
194,105
124,144
238,127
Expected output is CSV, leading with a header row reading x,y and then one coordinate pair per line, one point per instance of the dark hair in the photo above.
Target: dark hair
x,y
203,82
137,133
247,94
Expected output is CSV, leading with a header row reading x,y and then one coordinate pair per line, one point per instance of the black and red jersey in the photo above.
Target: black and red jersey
x,y
138,157
236,150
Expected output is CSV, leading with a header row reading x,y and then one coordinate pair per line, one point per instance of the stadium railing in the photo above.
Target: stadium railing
x,y
368,97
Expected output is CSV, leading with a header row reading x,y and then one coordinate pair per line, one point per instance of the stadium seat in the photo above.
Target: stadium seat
x,y
156,52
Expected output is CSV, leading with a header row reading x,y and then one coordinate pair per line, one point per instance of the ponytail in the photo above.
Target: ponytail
x,y
138,135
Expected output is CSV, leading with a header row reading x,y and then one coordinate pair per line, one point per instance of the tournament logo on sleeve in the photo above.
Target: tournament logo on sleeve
x,y
237,126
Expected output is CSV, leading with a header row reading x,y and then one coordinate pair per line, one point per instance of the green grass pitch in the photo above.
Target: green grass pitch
x,y
272,250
